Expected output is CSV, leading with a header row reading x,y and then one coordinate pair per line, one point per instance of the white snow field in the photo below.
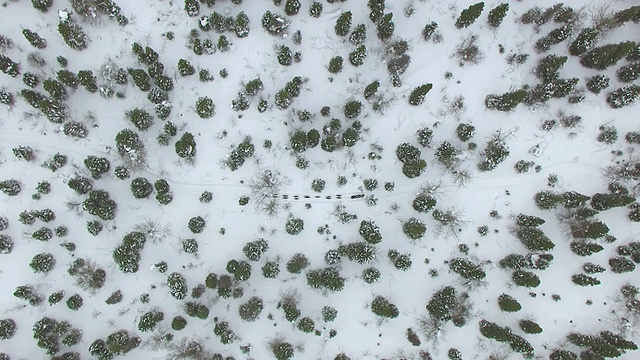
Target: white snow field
x,y
296,166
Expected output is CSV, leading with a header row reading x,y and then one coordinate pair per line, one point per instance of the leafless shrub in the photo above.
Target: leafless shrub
x,y
461,177
186,348
36,60
448,222
433,330
158,340
468,52
153,230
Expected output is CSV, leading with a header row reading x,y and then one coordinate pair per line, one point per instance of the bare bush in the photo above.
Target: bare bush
x,y
265,188
433,330
448,222
153,230
186,348
468,52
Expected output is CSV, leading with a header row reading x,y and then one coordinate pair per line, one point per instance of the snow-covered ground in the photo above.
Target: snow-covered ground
x,y
574,155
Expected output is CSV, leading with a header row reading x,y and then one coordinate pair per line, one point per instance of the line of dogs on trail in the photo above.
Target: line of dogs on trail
x,y
328,197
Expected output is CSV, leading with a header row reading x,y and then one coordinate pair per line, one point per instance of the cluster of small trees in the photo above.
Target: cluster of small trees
x,y
127,254
448,304
412,165
238,156
51,334
494,153
504,334
118,343
606,344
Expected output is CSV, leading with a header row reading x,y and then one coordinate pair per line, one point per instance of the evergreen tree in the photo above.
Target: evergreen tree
x,y
429,30
97,166
555,36
508,303
386,27
274,24
34,39
495,152
205,108
335,64
534,239
186,146
315,9
352,109
30,79
377,10
6,98
177,285
88,80
442,302
164,83
42,5
401,262
140,118
629,73
149,320
620,265
242,25
141,188
343,24
6,244
418,94
255,249
292,7
55,89
584,280
68,78
414,228
73,34
423,202
327,278
294,226
54,110
465,132
467,269
360,252
585,41
250,311
607,55
10,187
371,89
7,329
359,34
42,263
469,15
284,56
185,68
382,307
192,7
141,79
547,69
100,204
281,350
505,102
370,232
130,147
357,56
548,199
525,278
497,14
623,96
223,44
